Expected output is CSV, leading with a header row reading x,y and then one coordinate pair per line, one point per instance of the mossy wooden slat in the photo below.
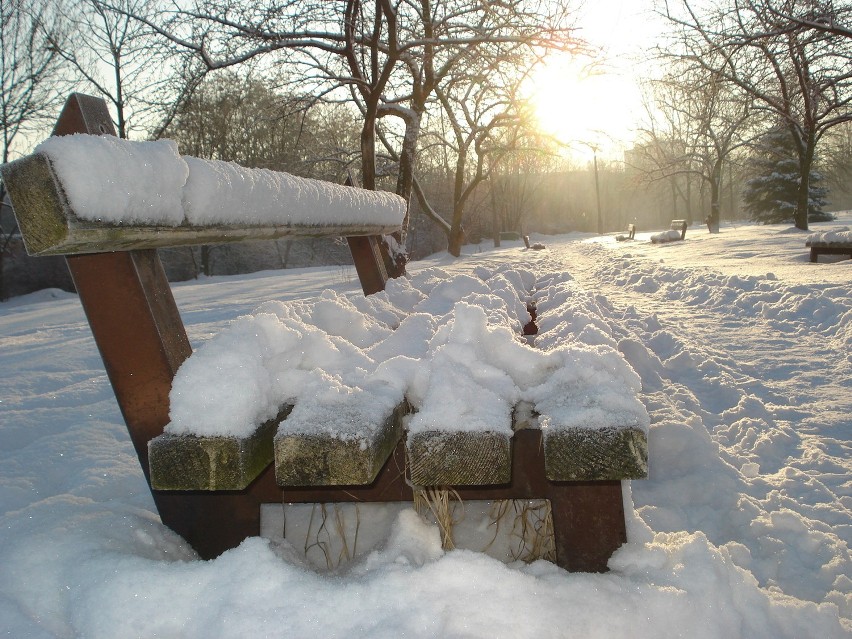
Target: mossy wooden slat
x,y
585,454
192,462
38,202
324,460
439,458
50,227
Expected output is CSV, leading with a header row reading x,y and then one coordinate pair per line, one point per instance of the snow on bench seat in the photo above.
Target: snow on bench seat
x,y
594,426
829,243
350,452
147,195
677,231
451,346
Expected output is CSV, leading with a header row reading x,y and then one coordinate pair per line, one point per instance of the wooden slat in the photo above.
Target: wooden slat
x,y
833,249
192,462
324,460
584,454
440,458
50,227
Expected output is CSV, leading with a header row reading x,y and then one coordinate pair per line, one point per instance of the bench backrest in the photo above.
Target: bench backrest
x,y
56,214
679,225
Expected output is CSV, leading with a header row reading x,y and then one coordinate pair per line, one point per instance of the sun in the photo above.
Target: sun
x,y
582,106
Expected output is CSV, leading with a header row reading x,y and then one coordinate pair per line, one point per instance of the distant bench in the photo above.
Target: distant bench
x,y
631,234
677,231
537,246
209,489
830,243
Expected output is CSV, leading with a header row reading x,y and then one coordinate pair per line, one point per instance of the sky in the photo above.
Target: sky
x,y
599,106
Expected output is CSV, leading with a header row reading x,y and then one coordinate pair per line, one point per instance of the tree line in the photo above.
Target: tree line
x,y
761,87
426,98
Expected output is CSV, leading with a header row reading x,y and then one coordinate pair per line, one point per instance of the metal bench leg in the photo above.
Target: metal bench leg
x,y
588,517
588,524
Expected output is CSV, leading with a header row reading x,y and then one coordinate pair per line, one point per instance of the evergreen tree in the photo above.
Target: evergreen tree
x,y
770,195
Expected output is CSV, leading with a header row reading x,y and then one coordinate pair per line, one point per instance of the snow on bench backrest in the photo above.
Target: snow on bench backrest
x,y
830,238
84,193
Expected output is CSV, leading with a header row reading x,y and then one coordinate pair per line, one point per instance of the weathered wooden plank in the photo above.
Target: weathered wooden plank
x,y
303,459
585,454
193,462
441,458
50,227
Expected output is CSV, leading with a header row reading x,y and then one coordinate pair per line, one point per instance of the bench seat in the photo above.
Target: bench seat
x,y
677,231
208,482
329,459
631,234
441,458
829,243
197,462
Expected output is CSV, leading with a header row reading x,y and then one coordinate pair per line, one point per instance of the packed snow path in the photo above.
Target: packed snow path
x,y
766,366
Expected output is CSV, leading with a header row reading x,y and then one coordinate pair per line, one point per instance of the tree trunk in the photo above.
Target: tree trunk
x,y
205,259
495,217
713,221
455,239
673,185
368,152
3,296
803,196
407,159
688,198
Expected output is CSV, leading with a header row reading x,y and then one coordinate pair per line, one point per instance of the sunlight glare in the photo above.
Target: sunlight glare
x,y
602,107
583,108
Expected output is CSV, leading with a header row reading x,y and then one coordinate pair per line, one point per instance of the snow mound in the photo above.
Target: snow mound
x,y
452,346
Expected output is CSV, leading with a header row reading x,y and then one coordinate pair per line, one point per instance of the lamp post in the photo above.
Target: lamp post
x,y
594,147
597,190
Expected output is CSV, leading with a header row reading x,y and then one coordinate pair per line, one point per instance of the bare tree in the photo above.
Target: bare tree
x,y
447,37
389,56
120,59
30,84
30,78
837,164
799,75
698,121
517,180
819,15
484,125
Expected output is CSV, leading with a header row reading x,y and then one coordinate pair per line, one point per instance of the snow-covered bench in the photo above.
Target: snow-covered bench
x,y
830,243
107,204
631,234
677,231
536,246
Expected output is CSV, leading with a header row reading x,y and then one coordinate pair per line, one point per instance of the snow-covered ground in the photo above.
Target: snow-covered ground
x,y
744,350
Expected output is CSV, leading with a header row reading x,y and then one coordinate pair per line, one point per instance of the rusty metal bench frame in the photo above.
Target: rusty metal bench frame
x,y
141,338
